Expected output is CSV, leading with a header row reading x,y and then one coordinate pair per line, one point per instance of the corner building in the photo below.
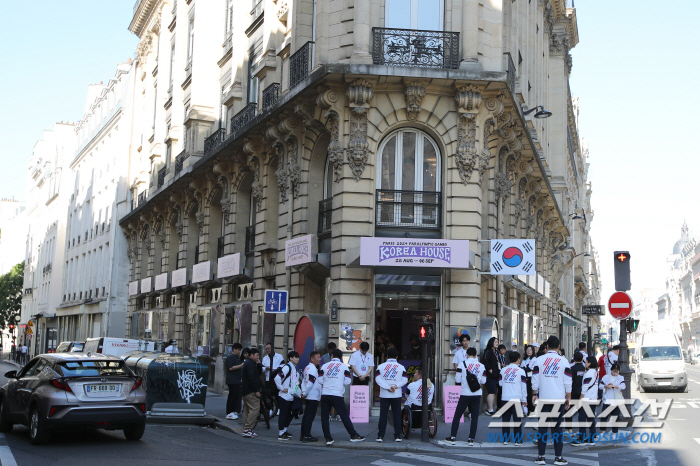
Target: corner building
x,y
275,139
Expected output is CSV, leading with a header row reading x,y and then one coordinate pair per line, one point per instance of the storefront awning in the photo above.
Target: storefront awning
x,y
570,321
425,283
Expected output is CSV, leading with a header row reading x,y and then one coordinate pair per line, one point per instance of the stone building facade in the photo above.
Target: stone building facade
x,y
275,140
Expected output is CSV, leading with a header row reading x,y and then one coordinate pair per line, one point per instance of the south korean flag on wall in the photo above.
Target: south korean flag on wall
x,y
512,257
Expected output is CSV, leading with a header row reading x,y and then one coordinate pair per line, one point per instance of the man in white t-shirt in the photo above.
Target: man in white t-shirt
x,y
361,364
172,347
460,355
24,354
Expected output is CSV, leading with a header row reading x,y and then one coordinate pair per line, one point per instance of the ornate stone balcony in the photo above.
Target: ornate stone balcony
x,y
411,47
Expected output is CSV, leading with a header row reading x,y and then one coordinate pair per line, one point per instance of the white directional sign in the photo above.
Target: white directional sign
x,y
513,257
276,301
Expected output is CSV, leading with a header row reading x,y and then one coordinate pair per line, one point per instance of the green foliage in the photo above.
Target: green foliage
x,y
11,294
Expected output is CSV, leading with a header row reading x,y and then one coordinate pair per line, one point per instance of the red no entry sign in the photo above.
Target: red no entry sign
x,y
620,305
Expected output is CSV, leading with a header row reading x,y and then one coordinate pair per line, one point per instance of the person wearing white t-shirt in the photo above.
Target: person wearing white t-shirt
x,y
414,390
361,364
611,358
172,347
460,355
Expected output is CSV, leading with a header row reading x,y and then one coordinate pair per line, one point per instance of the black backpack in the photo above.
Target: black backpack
x,y
472,381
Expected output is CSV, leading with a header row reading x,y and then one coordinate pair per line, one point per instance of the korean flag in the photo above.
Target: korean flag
x,y
512,257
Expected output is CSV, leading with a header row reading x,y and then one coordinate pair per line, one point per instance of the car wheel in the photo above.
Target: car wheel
x,y
135,432
683,389
37,434
5,424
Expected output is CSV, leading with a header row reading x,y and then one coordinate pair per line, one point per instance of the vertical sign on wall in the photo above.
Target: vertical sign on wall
x,y
452,394
359,404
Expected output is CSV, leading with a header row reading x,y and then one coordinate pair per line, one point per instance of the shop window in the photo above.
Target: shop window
x,y
408,181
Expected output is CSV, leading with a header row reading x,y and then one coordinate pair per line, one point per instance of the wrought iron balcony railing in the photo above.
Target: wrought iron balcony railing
x,y
161,177
240,119
300,64
411,47
250,239
213,141
220,247
270,96
143,195
325,211
409,209
180,161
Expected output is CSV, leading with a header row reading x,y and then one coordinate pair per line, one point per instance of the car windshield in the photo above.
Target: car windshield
x,y
658,353
92,368
77,348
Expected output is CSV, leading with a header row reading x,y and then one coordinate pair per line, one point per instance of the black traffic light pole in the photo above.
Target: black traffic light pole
x,y
424,433
625,370
623,283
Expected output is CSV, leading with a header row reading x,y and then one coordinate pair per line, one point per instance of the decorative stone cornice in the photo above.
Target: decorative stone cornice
x,y
558,44
415,91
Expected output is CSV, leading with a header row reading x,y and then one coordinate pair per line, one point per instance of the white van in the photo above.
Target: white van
x,y
660,363
116,346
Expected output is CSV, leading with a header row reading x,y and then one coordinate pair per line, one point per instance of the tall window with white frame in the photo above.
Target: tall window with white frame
x,y
228,27
190,41
172,63
408,181
415,14
254,55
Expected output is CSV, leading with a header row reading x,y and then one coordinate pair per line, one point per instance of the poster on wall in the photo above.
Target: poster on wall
x,y
513,257
351,335
456,332
406,252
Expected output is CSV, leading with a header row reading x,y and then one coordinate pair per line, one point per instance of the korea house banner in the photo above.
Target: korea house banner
x,y
513,257
411,252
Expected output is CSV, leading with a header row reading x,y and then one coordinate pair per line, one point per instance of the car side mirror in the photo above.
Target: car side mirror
x,y
11,375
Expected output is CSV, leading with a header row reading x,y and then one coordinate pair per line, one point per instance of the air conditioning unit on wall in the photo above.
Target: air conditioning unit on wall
x,y
244,292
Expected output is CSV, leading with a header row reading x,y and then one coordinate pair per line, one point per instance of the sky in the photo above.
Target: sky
x,y
635,71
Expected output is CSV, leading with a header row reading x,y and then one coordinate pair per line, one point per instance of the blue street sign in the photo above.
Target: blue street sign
x,y
276,301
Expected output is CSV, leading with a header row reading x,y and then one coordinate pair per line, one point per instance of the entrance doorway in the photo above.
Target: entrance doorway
x,y
398,317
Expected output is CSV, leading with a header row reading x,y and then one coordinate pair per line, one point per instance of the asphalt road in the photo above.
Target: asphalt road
x,y
180,445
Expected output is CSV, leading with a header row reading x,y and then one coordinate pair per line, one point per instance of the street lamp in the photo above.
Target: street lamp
x,y
542,113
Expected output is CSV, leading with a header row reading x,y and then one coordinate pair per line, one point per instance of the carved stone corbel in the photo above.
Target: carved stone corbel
x,y
293,168
327,97
415,91
359,94
305,110
466,155
335,150
468,98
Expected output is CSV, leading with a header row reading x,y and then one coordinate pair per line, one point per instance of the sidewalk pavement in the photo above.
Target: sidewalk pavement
x,y
216,405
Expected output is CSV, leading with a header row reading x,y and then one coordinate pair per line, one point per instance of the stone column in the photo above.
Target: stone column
x,y
470,35
362,31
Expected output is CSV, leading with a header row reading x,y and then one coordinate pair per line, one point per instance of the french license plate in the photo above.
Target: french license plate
x,y
105,388
664,383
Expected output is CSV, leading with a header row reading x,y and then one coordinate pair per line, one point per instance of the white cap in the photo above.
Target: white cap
x,y
536,345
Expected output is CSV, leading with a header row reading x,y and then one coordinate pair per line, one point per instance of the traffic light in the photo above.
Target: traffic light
x,y
622,271
632,325
11,327
426,332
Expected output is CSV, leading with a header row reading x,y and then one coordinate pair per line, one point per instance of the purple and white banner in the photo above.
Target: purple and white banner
x,y
403,252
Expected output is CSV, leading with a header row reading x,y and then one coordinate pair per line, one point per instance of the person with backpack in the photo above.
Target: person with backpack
x,y
311,392
472,379
334,376
514,387
287,382
611,358
589,395
460,354
551,381
390,376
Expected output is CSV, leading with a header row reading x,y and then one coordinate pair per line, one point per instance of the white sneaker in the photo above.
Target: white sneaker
x,y
235,415
231,416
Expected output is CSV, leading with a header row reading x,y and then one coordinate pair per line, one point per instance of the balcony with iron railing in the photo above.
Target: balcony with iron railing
x,y
180,161
300,64
213,141
143,195
220,247
408,209
412,47
240,119
325,211
270,96
250,240
161,177
510,69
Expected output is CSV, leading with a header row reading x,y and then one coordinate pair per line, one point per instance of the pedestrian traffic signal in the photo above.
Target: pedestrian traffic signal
x,y
622,271
11,327
426,332
632,325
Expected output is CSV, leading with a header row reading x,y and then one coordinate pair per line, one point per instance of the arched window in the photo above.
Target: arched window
x,y
408,180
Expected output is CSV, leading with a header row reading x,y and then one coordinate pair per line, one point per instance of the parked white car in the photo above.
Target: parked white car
x,y
116,346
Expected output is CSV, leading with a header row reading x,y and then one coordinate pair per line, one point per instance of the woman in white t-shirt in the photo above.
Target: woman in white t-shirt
x,y
589,395
613,384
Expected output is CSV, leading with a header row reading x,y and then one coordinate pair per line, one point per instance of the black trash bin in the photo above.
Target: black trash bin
x,y
169,378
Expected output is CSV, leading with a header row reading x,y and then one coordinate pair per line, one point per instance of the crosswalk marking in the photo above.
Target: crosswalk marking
x,y
572,460
389,463
446,461
593,455
6,456
697,440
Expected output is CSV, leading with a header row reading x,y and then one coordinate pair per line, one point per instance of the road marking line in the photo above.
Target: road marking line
x,y
696,439
446,461
594,455
390,463
6,456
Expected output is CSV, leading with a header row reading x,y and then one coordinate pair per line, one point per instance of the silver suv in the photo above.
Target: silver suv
x,y
73,390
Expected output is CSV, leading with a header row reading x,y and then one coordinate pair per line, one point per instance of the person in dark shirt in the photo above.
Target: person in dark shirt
x,y
250,390
493,372
234,380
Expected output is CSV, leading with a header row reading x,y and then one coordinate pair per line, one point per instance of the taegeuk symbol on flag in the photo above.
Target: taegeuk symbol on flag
x,y
512,257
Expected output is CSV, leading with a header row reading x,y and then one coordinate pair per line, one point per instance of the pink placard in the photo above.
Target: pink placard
x,y
359,404
452,394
